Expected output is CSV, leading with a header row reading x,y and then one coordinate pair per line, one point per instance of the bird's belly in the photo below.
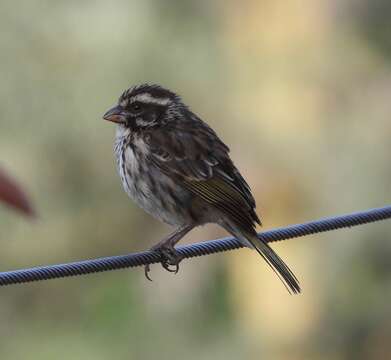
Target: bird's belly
x,y
153,191
155,200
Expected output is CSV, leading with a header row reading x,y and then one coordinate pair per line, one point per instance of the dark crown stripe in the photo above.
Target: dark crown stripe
x,y
155,91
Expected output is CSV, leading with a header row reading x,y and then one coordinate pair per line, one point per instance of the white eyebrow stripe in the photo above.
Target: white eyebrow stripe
x,y
149,99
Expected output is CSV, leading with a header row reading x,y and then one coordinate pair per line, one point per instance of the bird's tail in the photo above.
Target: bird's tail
x,y
274,261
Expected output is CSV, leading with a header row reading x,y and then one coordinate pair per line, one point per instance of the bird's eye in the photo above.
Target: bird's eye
x,y
135,107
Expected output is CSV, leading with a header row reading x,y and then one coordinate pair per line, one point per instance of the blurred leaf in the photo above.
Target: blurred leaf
x,y
12,194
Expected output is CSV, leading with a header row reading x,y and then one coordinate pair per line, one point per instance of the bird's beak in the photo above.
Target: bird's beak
x,y
115,114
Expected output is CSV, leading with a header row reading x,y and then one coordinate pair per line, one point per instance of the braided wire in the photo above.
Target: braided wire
x,y
189,251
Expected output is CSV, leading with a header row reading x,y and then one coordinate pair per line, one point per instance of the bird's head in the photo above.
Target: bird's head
x,y
145,106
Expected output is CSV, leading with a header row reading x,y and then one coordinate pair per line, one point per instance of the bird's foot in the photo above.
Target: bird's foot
x,y
169,257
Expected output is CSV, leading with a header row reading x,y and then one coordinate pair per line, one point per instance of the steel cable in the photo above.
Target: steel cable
x,y
189,251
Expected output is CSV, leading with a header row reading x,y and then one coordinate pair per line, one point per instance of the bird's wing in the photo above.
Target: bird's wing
x,y
200,161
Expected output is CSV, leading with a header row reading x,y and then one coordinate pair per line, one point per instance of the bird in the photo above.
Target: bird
x,y
173,165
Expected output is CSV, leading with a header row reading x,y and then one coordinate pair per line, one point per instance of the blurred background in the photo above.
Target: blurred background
x,y
300,90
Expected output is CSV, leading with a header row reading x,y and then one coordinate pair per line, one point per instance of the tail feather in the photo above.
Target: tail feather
x,y
282,270
273,260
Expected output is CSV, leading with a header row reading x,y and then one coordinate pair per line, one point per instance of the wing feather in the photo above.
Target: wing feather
x,y
200,160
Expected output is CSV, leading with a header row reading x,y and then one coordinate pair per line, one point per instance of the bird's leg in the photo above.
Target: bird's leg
x,y
167,251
